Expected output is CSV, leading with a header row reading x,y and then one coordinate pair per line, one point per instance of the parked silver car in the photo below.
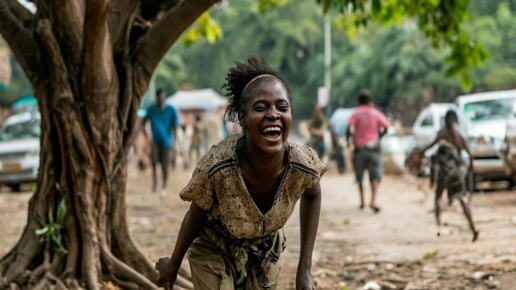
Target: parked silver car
x,y
19,150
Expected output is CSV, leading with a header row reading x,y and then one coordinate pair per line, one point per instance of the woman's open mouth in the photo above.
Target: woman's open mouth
x,y
272,134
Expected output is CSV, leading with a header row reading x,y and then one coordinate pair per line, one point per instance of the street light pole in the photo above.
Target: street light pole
x,y
327,61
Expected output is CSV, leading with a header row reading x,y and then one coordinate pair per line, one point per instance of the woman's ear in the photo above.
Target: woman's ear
x,y
241,118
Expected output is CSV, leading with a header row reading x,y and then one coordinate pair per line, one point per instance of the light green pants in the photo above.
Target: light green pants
x,y
213,269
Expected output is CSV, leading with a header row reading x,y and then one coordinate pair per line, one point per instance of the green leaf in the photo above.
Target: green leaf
x,y
430,255
434,3
50,215
377,6
42,231
61,212
467,82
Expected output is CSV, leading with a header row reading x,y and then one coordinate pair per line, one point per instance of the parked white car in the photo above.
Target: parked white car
x,y
19,150
483,118
429,122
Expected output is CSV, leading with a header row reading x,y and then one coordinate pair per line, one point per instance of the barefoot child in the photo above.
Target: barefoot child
x,y
451,169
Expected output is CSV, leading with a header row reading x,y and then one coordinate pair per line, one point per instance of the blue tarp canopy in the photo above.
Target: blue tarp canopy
x,y
25,104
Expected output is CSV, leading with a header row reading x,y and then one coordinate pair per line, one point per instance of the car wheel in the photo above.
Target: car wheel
x,y
511,183
15,187
472,182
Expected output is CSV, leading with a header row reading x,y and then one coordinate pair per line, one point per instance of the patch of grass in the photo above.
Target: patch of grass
x,y
32,187
346,222
324,216
430,255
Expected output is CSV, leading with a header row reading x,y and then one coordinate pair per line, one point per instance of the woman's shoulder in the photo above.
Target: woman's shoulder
x,y
220,155
304,158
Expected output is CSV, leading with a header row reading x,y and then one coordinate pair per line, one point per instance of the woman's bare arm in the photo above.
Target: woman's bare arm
x,y
309,218
190,228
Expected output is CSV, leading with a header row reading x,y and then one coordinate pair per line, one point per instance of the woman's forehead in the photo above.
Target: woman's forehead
x,y
267,84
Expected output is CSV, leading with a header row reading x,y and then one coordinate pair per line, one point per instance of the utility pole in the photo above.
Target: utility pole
x,y
327,61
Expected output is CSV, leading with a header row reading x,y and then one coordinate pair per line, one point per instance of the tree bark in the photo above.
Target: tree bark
x,y
89,83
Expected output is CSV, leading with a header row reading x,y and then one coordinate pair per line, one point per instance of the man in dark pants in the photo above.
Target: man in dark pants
x,y
164,120
367,125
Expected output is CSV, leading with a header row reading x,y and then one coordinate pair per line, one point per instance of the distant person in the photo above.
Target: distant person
x,y
182,145
317,127
213,132
338,151
197,139
164,120
367,124
451,168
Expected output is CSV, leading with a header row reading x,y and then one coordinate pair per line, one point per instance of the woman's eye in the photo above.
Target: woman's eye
x,y
260,109
284,108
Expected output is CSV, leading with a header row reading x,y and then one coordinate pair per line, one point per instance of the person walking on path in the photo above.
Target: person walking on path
x,y
197,139
244,190
317,127
164,120
367,125
451,168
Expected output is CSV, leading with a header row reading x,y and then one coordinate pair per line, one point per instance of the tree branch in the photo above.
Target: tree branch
x,y
153,45
55,66
19,39
67,22
121,14
95,55
22,13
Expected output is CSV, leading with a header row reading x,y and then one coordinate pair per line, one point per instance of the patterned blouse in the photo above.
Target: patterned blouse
x,y
218,187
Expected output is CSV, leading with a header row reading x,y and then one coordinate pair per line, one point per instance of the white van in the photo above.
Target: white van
x,y
429,122
483,120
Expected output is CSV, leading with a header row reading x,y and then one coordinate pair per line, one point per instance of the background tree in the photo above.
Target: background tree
x,y
398,63
89,62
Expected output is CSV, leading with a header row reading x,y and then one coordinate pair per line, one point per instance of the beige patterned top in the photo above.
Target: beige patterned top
x,y
218,187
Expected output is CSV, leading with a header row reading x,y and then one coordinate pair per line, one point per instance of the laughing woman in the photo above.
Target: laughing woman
x,y
244,190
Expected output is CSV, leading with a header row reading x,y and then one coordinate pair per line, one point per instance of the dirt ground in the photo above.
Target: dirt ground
x,y
355,249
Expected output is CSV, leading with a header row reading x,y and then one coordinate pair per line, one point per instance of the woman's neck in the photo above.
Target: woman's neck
x,y
260,163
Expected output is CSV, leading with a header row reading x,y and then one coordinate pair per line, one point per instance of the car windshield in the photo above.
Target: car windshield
x,y
21,130
488,110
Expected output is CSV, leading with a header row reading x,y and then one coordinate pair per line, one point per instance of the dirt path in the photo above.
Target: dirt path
x,y
353,247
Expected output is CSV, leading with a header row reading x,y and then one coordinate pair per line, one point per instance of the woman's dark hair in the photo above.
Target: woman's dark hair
x,y
238,77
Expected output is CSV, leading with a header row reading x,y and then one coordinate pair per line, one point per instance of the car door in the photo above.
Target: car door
x,y
424,127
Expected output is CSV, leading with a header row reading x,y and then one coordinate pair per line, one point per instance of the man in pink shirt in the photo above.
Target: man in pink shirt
x,y
367,125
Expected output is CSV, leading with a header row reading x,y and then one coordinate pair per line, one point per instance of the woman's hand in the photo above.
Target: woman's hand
x,y
167,275
304,280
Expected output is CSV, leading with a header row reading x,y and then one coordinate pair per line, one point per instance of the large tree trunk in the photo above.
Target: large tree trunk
x,y
89,63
